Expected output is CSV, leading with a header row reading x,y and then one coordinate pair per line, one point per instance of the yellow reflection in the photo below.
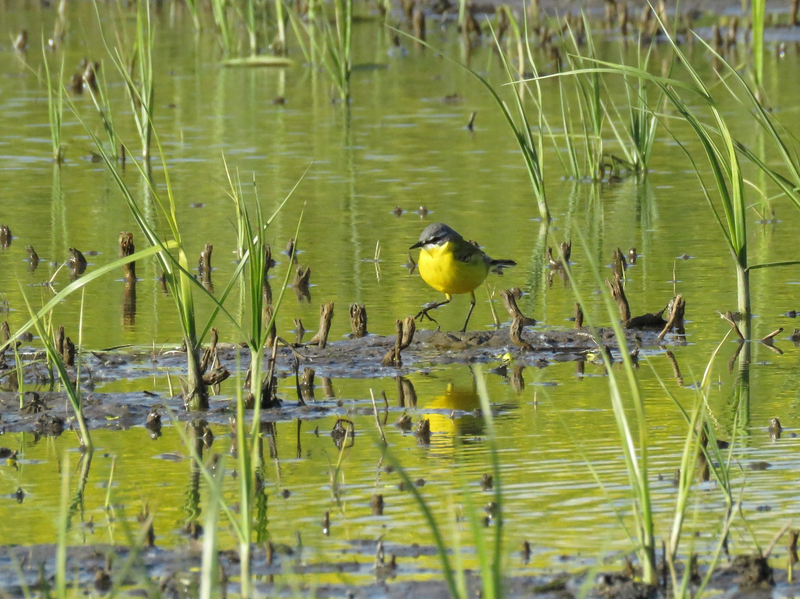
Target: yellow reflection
x,y
459,398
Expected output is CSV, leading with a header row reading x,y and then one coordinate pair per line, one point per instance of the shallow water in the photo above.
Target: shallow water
x,y
408,147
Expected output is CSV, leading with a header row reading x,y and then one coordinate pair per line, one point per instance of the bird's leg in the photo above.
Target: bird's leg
x,y
428,307
471,308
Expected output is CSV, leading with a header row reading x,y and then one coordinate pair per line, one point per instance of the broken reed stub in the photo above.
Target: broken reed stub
x,y
126,248
728,316
68,354
358,321
59,340
515,334
677,307
618,263
302,276
299,331
204,261
76,262
216,376
210,352
325,318
291,250
509,297
578,316
5,236
564,254
405,335
618,293
269,323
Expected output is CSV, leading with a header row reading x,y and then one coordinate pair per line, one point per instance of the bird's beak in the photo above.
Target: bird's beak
x,y
419,244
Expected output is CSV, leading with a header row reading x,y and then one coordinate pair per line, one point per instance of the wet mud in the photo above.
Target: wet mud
x,y
46,412
376,569
353,358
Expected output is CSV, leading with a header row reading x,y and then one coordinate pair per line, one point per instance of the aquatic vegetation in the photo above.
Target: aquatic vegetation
x,y
530,144
255,254
102,104
279,44
757,14
223,26
722,152
635,452
55,357
330,46
140,89
142,96
55,106
591,107
701,456
228,488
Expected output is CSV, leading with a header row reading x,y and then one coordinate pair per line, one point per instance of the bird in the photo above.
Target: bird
x,y
452,265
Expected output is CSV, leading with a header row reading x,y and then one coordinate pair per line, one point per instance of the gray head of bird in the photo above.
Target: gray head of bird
x,y
435,234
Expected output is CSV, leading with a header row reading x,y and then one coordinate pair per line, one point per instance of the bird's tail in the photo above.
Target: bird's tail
x,y
497,266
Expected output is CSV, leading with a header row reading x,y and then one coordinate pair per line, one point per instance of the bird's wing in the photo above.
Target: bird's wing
x,y
467,252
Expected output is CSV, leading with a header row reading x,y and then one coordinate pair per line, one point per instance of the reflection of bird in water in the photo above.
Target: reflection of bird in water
x,y
455,399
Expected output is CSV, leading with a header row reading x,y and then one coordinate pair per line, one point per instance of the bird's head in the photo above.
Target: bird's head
x,y
436,234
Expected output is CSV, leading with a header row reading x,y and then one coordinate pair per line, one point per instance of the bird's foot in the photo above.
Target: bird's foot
x,y
424,313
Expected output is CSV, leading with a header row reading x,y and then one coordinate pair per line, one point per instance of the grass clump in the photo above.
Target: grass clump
x,y
326,45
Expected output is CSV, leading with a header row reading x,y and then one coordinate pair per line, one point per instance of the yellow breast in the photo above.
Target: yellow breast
x,y
440,269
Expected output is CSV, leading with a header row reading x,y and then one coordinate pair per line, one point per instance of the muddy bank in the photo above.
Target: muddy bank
x,y
378,571
350,358
46,412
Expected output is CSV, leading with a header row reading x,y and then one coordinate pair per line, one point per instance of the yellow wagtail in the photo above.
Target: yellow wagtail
x,y
452,265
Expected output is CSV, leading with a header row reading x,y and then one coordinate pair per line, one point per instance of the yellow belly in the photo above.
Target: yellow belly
x,y
440,269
